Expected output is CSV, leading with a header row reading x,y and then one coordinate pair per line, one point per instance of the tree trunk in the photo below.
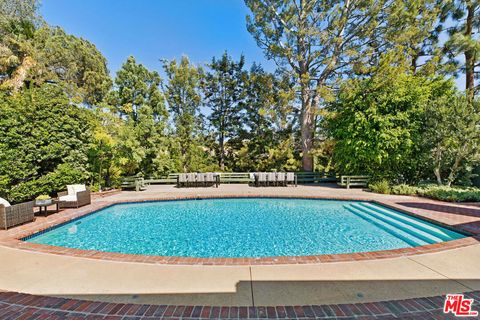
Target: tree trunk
x,y
221,163
470,55
436,170
184,159
438,165
107,177
307,116
454,169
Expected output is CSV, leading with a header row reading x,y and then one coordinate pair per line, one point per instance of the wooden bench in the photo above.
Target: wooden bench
x,y
170,179
353,181
133,183
315,177
235,177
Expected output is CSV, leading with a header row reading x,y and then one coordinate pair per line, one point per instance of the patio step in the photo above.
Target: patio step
x,y
442,233
405,236
425,236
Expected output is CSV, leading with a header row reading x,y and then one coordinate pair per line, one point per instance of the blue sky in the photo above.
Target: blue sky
x,y
156,29
152,30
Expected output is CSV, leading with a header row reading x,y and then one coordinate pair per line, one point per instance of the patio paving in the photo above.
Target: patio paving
x,y
22,306
421,275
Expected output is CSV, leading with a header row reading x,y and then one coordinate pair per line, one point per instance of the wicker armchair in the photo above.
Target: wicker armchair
x,y
82,199
16,214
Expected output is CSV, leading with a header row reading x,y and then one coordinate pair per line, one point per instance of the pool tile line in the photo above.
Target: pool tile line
x,y
24,306
13,237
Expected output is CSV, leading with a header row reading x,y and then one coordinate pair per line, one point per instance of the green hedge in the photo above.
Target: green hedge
x,y
453,194
443,193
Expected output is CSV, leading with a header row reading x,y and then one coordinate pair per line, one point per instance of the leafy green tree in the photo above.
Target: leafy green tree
x,y
42,135
135,87
320,41
267,124
452,136
183,95
60,57
224,95
31,52
378,124
138,99
18,22
104,157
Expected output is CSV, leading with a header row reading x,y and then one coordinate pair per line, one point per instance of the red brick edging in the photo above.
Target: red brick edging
x,y
24,306
13,239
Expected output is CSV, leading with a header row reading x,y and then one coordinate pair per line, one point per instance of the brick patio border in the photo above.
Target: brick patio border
x,y
25,306
13,238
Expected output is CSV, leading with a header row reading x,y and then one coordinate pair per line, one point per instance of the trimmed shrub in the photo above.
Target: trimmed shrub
x,y
452,194
380,186
405,189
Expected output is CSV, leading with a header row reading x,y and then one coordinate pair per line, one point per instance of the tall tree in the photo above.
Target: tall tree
x,y
267,125
320,40
452,136
135,87
137,97
465,39
421,27
224,95
61,57
183,95
18,22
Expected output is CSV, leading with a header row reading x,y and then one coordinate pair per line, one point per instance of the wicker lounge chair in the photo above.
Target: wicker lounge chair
x,y
14,215
77,195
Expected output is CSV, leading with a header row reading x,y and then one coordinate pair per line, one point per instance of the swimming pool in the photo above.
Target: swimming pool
x,y
245,227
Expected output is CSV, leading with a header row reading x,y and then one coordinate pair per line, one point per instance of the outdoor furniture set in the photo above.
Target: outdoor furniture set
x,y
274,179
198,180
11,215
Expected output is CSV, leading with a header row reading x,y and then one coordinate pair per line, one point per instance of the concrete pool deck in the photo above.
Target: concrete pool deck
x,y
419,275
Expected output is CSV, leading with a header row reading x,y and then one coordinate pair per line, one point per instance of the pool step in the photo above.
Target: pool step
x,y
444,234
425,236
405,236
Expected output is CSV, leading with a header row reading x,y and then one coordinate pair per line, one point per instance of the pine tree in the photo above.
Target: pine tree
x,y
464,39
224,95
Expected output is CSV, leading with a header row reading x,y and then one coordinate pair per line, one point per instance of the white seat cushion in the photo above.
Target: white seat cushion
x,y
74,188
4,202
70,197
79,187
71,189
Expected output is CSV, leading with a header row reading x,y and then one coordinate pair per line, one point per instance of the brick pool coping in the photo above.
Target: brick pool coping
x,y
25,306
13,237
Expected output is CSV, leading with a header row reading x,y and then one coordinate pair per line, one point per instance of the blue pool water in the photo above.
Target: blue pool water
x,y
252,227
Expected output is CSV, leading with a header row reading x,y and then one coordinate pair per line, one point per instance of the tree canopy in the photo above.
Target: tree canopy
x,y
361,87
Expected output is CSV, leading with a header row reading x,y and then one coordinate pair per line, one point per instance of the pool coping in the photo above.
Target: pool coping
x,y
14,239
